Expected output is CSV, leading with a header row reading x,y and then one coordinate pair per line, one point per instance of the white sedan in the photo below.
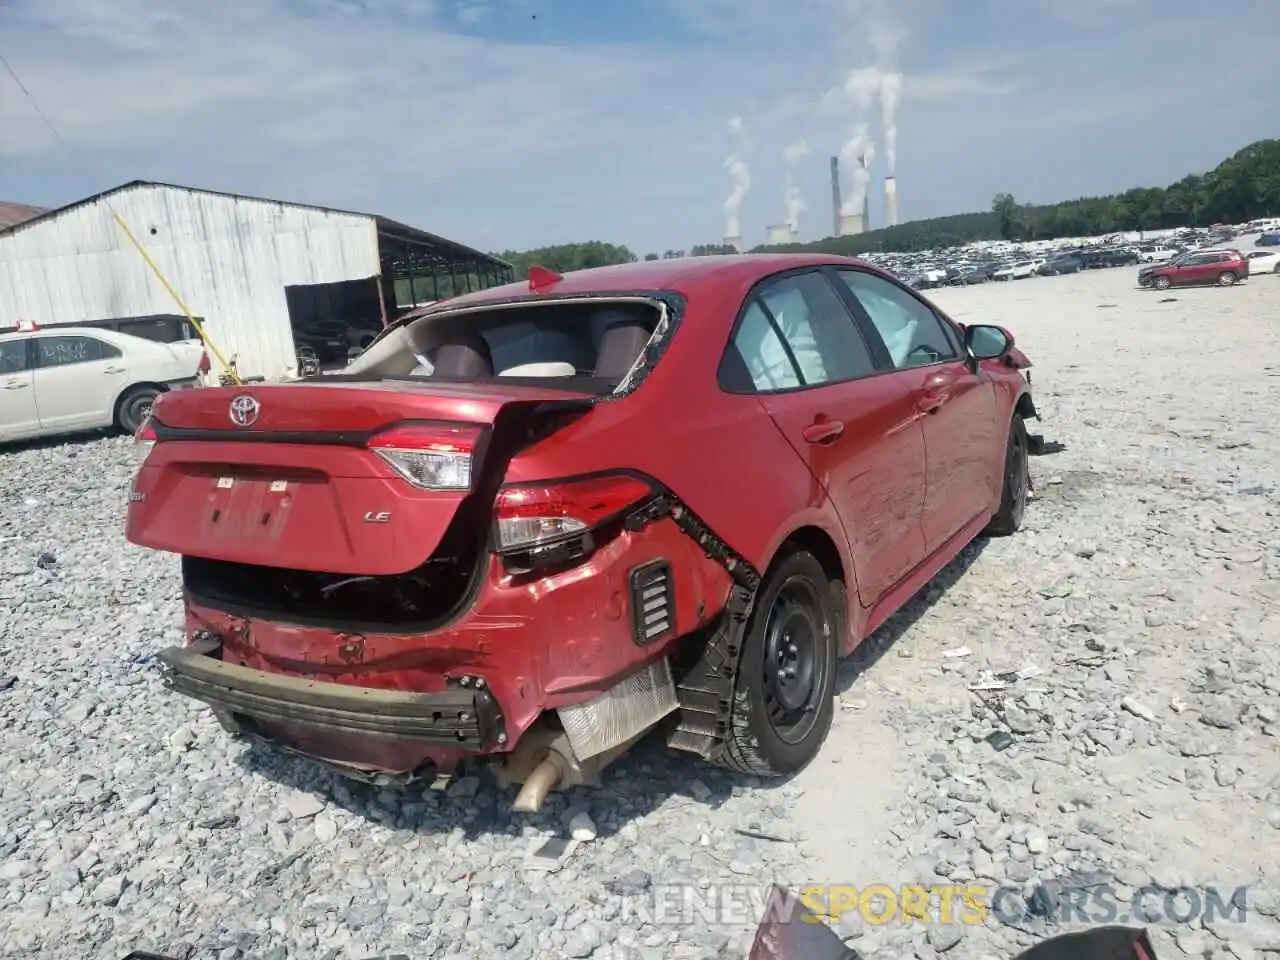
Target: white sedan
x,y
1263,261
68,379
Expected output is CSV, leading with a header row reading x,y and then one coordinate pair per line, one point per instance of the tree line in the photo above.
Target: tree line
x,y
1243,187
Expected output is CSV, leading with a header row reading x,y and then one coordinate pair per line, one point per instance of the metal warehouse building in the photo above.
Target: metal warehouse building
x,y
263,277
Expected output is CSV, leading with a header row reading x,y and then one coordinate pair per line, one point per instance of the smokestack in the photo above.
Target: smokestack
x,y
849,225
891,201
780,233
735,242
835,196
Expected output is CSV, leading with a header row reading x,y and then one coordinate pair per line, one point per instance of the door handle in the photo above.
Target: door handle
x,y
16,386
822,431
930,402
936,392
114,370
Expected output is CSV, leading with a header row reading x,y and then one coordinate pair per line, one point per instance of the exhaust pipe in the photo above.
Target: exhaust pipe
x,y
544,778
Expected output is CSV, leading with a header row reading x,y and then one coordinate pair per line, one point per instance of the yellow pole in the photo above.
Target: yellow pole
x,y
177,299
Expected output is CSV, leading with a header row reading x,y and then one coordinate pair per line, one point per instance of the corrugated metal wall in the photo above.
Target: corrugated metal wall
x,y
229,258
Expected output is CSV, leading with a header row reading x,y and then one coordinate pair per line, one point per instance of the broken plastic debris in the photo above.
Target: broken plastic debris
x,y
1138,709
1001,679
1000,740
956,653
549,855
989,682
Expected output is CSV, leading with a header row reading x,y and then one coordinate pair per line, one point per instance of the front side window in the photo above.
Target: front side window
x,y
13,356
912,334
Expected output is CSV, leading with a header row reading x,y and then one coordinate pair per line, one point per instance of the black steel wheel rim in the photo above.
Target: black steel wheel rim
x,y
1018,477
795,662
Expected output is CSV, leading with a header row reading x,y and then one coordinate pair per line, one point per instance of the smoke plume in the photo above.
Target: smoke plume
x,y
890,96
860,90
739,176
795,203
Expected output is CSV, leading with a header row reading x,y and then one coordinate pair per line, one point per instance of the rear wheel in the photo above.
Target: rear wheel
x,y
135,407
1017,482
1161,283
1226,278
784,700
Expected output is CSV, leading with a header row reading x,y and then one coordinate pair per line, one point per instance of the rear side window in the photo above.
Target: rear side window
x,y
62,351
590,340
795,332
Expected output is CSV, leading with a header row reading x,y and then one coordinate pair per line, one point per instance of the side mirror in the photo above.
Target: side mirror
x,y
987,342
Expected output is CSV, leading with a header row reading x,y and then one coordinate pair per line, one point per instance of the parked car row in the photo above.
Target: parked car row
x,y
1071,261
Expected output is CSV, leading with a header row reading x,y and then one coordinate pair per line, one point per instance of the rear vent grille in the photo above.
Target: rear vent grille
x,y
653,601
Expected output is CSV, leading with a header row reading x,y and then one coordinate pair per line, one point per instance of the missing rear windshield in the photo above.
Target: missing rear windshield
x,y
591,345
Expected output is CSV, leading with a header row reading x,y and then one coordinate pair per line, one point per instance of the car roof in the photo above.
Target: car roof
x,y
106,334
679,275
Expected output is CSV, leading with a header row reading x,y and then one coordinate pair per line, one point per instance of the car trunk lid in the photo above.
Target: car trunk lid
x,y
359,478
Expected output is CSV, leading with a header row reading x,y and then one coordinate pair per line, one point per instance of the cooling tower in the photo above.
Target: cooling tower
x,y
850,224
890,202
835,196
780,233
734,242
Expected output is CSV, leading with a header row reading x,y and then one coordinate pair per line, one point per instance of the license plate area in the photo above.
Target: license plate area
x,y
248,508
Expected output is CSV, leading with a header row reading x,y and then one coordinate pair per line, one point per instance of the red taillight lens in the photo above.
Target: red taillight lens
x,y
537,514
430,457
144,438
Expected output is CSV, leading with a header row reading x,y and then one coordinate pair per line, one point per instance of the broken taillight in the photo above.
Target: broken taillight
x,y
144,438
530,516
429,457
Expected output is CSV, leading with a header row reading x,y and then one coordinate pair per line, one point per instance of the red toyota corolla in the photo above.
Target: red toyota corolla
x,y
534,522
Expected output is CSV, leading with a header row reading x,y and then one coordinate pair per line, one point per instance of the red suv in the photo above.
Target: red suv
x,y
1223,267
534,522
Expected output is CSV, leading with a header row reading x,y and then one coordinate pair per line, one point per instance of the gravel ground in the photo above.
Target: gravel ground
x,y
1140,607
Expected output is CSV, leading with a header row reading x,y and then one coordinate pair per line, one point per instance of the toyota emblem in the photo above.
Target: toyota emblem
x,y
244,410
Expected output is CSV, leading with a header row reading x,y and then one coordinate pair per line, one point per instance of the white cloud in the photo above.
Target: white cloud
x,y
472,13
375,104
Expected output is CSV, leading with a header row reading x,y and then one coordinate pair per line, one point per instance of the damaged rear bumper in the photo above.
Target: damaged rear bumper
x,y
464,718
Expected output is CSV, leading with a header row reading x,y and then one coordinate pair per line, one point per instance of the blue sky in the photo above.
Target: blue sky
x,y
520,123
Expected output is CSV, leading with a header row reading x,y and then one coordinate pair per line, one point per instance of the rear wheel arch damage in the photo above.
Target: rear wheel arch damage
x,y
783,696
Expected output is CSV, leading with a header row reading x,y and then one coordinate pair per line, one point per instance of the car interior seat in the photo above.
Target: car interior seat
x,y
464,355
620,345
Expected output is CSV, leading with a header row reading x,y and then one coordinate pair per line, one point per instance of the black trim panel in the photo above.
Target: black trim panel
x,y
463,716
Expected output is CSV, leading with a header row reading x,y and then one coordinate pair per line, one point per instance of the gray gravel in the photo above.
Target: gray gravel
x,y
1144,592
